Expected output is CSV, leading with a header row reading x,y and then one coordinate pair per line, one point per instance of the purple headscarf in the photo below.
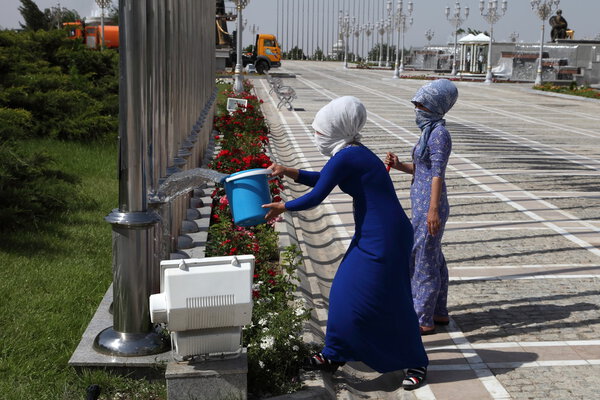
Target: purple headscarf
x,y
438,96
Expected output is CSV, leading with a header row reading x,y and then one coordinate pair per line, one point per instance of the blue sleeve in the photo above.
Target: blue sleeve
x,y
336,169
308,178
440,146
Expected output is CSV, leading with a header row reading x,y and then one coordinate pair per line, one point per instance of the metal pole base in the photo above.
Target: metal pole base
x,y
238,85
489,77
538,78
115,343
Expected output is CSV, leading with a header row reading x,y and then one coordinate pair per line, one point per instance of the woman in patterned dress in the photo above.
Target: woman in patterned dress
x,y
429,202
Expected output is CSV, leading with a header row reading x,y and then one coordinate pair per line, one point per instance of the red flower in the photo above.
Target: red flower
x,y
233,251
276,199
255,294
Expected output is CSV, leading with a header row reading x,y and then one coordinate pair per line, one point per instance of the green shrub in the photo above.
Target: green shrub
x,y
14,124
32,189
70,91
91,63
275,345
572,89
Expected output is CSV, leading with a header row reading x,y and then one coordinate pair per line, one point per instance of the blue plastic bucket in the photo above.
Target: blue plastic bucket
x,y
247,191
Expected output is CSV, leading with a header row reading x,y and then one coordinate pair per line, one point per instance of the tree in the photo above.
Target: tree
x,y
374,52
34,18
112,14
471,31
57,15
318,54
295,53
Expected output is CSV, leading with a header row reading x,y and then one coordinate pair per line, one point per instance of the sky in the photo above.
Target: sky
x,y
582,16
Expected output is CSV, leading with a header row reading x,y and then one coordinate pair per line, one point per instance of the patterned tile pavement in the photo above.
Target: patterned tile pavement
x,y
522,242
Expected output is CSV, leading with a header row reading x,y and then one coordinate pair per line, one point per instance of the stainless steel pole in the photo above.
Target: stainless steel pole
x,y
132,223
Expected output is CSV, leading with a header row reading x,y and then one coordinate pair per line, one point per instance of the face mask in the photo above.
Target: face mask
x,y
422,117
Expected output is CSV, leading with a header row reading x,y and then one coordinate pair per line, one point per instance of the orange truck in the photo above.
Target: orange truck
x,y
266,55
92,34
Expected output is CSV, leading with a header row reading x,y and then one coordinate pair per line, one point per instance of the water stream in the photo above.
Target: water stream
x,y
184,181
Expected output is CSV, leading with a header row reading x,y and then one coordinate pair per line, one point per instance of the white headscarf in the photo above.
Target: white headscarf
x,y
339,123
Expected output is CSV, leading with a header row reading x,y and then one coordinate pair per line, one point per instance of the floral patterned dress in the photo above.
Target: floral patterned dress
x,y
428,269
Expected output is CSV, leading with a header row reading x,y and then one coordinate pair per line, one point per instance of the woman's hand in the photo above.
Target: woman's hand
x,y
392,160
278,170
275,209
433,221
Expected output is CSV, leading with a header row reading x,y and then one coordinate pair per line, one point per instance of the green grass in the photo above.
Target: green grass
x,y
53,278
221,97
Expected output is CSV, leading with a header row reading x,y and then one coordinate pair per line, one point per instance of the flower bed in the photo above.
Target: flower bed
x,y
274,339
571,89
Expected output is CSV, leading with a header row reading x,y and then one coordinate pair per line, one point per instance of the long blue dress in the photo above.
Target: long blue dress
x,y
371,314
428,269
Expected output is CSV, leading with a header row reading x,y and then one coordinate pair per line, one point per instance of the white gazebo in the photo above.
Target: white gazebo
x,y
473,52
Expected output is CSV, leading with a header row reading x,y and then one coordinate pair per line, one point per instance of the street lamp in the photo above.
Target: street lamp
x,y
492,15
344,22
402,26
389,28
356,30
238,85
544,9
381,31
456,20
429,34
254,29
368,30
102,4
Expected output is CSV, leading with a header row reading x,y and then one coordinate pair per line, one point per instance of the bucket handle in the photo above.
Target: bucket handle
x,y
265,171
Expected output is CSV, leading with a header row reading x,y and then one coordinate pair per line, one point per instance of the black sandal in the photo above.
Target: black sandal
x,y
414,378
318,362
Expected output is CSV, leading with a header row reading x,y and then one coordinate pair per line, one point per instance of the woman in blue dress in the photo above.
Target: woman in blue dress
x,y
429,202
371,314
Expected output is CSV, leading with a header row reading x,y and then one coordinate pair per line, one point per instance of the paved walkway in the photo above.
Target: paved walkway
x,y
522,242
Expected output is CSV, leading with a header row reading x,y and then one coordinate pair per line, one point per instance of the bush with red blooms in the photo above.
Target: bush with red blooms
x,y
274,339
